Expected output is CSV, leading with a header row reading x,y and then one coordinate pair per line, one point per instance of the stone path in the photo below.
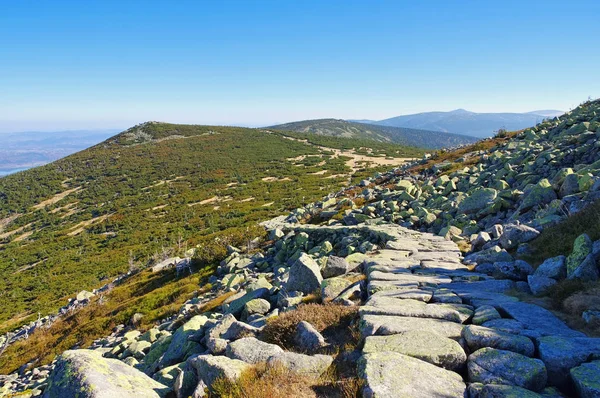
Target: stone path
x,y
432,328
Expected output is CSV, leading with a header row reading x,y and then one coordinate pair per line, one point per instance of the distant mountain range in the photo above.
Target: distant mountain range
x,y
400,135
461,121
20,151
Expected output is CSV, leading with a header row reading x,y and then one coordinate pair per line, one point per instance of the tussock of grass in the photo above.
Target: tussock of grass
x,y
334,321
558,239
262,381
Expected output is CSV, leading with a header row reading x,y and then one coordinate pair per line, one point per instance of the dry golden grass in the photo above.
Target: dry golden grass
x,y
335,322
262,381
214,303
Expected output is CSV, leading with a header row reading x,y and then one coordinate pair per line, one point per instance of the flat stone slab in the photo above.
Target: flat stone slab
x,y
311,365
421,344
560,354
480,337
251,350
414,294
393,375
405,277
491,366
411,308
373,325
536,318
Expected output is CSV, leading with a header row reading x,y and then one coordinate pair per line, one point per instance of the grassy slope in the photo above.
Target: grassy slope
x,y
398,135
138,197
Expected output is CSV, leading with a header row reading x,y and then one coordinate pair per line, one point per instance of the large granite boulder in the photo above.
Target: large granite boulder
x,y
86,374
555,268
478,200
515,234
586,378
310,365
491,366
305,275
582,247
181,347
251,350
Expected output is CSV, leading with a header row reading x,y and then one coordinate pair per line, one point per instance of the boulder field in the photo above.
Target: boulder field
x,y
431,257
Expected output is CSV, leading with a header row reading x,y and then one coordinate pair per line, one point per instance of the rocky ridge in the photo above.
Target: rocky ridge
x,y
433,321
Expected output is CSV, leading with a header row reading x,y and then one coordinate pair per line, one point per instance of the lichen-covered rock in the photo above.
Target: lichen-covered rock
x,y
484,314
256,306
427,346
587,270
86,374
305,275
236,306
582,247
210,368
478,200
538,194
560,354
491,366
181,347
394,375
251,350
333,287
310,365
478,337
586,378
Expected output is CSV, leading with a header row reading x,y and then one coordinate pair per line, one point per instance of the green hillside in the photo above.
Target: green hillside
x,y
130,200
385,134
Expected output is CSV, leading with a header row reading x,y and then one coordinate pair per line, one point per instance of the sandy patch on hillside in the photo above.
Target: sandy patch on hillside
x,y
318,173
80,227
247,199
268,204
275,179
56,198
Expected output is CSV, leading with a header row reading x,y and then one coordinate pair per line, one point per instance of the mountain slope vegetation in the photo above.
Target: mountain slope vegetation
x,y
130,200
404,136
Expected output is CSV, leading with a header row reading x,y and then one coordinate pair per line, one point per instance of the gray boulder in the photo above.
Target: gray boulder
x,y
587,270
310,365
210,368
307,338
478,337
251,350
394,375
305,275
478,200
555,268
492,255
540,284
335,266
513,270
181,347
86,374
491,366
515,234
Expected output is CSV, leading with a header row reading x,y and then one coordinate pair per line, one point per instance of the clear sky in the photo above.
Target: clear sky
x,y
101,64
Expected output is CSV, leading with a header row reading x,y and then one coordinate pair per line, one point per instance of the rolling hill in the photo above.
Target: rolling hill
x,y
133,198
404,136
461,121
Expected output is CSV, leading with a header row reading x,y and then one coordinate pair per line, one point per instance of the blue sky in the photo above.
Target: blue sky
x,y
104,64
